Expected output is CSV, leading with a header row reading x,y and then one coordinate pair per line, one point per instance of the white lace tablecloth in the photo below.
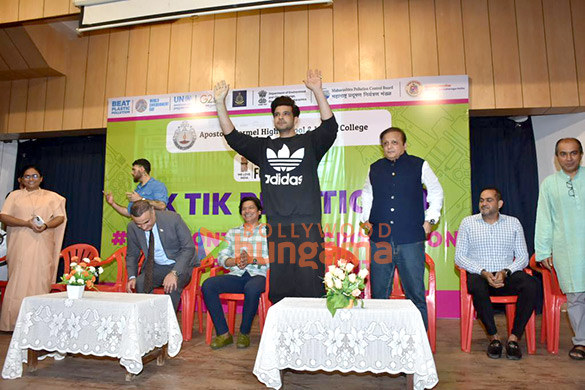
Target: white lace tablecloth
x,y
120,325
386,336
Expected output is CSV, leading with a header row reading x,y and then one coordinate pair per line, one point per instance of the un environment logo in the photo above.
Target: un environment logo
x,y
283,161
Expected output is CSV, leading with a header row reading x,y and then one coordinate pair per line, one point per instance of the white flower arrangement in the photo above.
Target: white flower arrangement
x,y
343,286
82,272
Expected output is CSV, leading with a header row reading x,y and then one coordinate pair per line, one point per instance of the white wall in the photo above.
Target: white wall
x,y
8,152
548,129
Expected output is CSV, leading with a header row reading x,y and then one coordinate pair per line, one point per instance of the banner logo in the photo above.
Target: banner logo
x,y
239,99
414,88
284,162
185,136
141,105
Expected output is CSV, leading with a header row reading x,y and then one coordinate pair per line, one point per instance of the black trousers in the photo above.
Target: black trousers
x,y
296,266
524,286
158,276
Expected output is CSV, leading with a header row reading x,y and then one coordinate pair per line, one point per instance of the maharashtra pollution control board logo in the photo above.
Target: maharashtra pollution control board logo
x,y
184,136
414,88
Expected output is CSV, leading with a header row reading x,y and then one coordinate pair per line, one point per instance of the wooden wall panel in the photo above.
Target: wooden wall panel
x,y
397,32
28,50
578,10
272,50
478,58
345,41
509,48
202,53
18,100
5,87
561,53
137,60
247,49
72,8
75,86
180,56
56,7
532,49
10,53
35,107
117,67
321,40
451,54
54,103
8,11
423,38
371,39
296,40
95,84
505,56
30,9
157,77
224,49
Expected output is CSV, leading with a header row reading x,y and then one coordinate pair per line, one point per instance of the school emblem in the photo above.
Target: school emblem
x,y
185,136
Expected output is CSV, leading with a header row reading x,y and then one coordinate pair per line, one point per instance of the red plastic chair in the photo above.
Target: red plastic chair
x,y
551,310
468,314
187,298
3,284
232,299
430,296
79,250
206,264
119,257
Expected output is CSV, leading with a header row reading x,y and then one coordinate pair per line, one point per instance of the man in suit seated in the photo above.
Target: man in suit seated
x,y
492,249
170,253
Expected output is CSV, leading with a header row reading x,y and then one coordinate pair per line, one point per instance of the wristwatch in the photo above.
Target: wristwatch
x,y
432,221
508,272
175,273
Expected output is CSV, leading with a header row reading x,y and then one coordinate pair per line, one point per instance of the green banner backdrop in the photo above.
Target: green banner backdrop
x,y
179,134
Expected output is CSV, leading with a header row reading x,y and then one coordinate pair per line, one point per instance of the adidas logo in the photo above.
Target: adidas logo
x,y
283,161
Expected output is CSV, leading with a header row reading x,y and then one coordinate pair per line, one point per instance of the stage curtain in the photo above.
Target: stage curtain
x,y
74,168
503,154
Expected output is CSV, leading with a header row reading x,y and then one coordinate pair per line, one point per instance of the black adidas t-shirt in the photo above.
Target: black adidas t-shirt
x,y
288,171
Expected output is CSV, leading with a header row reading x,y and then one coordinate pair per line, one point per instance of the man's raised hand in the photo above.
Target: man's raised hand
x,y
314,80
220,91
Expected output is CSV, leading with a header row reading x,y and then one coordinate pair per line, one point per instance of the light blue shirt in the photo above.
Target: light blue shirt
x,y
160,256
152,190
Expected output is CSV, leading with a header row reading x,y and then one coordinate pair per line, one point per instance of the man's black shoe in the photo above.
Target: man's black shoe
x,y
513,351
494,350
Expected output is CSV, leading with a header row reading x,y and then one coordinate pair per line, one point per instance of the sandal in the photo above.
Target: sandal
x,y
577,352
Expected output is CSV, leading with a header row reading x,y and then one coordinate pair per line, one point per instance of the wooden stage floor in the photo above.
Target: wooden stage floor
x,y
198,367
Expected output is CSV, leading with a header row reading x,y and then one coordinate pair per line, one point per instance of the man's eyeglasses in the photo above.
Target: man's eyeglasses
x,y
33,176
571,189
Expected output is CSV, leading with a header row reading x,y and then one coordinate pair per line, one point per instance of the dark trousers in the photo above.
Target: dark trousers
x,y
158,275
251,286
519,283
410,260
296,269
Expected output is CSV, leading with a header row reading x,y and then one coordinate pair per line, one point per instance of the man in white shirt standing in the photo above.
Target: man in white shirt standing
x,y
393,211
